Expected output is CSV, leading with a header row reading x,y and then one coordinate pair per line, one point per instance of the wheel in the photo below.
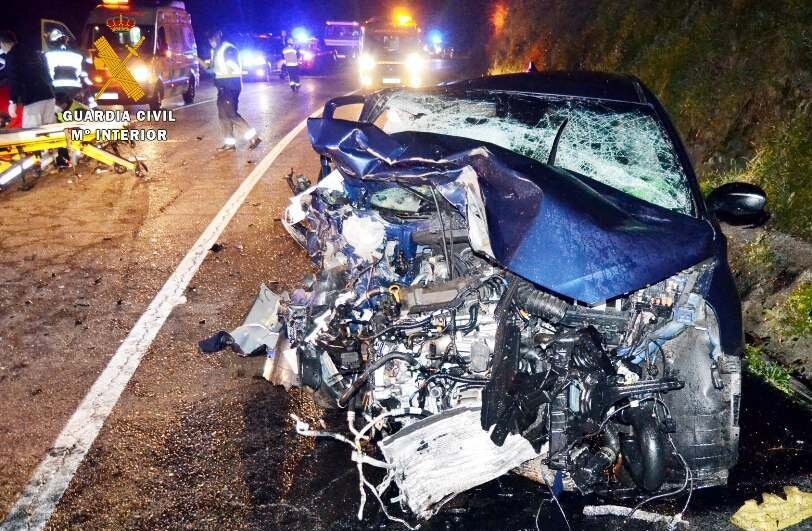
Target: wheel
x,y
157,98
189,95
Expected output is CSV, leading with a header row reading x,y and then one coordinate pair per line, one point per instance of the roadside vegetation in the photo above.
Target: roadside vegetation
x,y
736,77
793,317
760,366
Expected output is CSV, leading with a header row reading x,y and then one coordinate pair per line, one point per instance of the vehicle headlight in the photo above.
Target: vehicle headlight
x,y
366,62
307,56
141,73
249,58
415,63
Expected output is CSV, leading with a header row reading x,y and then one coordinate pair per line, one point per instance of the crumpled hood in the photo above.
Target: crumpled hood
x,y
563,231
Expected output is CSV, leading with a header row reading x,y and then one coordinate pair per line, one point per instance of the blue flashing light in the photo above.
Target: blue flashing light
x,y
300,35
436,37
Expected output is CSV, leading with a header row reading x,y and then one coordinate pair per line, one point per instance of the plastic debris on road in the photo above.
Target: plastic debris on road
x,y
774,512
645,516
258,334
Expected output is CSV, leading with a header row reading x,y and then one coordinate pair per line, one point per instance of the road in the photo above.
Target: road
x,y
202,442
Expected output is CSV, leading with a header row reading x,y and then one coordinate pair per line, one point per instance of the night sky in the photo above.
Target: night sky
x,y
463,21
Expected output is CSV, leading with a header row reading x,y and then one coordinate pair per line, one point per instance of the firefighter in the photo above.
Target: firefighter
x,y
65,65
29,83
291,55
225,65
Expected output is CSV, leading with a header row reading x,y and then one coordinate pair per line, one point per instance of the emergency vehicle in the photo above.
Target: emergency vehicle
x,y
392,53
343,37
166,61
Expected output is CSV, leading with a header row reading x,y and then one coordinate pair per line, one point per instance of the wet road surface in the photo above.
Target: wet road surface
x,y
203,442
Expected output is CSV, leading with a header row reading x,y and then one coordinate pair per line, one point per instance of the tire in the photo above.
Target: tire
x,y
157,98
189,95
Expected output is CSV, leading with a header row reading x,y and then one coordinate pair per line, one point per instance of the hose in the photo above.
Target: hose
x,y
369,294
645,453
356,386
539,303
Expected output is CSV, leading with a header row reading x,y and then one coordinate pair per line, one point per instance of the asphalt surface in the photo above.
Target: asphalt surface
x,y
202,442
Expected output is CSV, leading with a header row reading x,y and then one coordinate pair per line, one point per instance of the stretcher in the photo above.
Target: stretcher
x,y
33,149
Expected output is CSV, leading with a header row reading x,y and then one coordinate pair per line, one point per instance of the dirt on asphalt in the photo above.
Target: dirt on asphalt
x,y
81,257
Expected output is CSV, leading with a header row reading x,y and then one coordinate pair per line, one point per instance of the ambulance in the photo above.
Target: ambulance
x,y
164,64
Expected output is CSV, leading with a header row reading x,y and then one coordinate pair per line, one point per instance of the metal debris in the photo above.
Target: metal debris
x,y
646,516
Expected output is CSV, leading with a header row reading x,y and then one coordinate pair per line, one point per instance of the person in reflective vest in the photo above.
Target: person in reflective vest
x,y
225,65
65,64
291,55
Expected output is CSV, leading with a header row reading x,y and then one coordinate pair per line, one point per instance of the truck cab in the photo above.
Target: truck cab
x,y
392,54
163,64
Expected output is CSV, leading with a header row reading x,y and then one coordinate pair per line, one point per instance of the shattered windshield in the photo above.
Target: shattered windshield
x,y
620,145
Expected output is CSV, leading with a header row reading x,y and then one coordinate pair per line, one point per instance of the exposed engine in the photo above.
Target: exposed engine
x,y
409,327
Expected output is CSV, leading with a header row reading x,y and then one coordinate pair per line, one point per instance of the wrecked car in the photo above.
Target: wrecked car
x,y
516,273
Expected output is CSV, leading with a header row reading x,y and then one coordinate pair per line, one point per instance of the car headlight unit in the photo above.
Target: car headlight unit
x,y
415,64
249,58
141,73
366,62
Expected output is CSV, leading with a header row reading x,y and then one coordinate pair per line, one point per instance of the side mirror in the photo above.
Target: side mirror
x,y
738,204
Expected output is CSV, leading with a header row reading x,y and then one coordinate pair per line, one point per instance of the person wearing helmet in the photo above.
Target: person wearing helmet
x,y
225,65
64,64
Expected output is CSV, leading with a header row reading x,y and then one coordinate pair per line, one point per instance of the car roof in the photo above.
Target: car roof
x,y
583,84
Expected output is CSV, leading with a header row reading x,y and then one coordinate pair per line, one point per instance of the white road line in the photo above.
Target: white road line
x,y
39,499
190,105
195,104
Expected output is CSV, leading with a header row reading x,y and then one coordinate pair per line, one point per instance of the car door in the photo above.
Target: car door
x,y
163,56
47,26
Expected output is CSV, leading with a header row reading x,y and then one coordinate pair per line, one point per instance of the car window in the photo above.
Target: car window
x,y
189,40
119,40
161,45
56,36
341,31
621,145
177,44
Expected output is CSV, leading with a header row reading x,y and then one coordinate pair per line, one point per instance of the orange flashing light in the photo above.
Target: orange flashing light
x,y
402,17
115,2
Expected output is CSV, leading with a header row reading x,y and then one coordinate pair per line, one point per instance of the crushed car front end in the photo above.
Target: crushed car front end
x,y
513,282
